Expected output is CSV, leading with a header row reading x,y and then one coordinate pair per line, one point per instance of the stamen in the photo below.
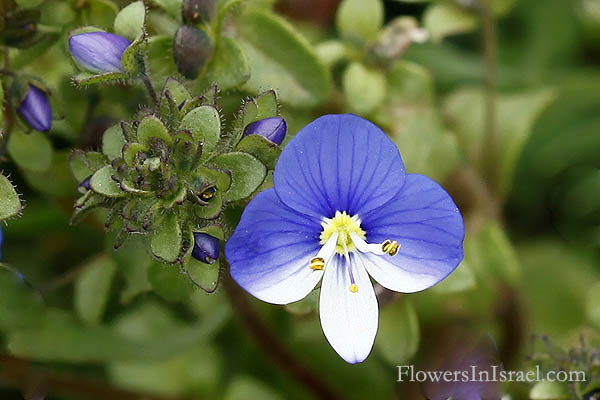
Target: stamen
x,y
354,288
318,262
365,247
390,247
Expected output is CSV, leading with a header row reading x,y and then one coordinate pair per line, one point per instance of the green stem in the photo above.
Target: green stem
x,y
146,79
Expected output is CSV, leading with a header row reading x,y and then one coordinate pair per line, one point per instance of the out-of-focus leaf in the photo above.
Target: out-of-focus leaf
x,y
460,280
550,391
281,58
247,388
593,305
31,151
173,7
515,115
10,204
364,88
56,180
360,19
398,335
99,13
444,19
161,59
21,307
169,282
228,67
130,20
54,341
92,288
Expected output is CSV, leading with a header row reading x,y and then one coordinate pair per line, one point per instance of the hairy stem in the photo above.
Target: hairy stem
x,y
270,344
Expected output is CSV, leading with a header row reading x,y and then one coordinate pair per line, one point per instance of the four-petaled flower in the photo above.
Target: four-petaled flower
x,y
343,208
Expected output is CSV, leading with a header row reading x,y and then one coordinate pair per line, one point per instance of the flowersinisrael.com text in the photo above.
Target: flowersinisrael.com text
x,y
495,373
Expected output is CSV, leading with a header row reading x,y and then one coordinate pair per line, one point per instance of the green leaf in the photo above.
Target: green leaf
x,y
204,123
178,92
360,19
398,335
547,390
113,142
205,276
460,280
445,19
103,183
264,150
161,59
280,57
10,204
151,128
247,174
87,79
57,180
166,240
92,288
99,13
130,150
267,105
228,67
31,151
515,115
172,7
410,83
593,305
129,22
28,3
364,88
133,261
21,307
248,388
169,282
84,164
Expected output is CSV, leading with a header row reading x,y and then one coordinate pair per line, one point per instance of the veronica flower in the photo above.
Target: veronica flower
x,y
99,52
343,208
35,109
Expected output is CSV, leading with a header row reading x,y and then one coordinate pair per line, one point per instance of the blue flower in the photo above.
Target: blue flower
x,y
343,208
35,109
273,129
99,52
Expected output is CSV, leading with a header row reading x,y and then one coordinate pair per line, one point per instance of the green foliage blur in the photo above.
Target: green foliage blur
x,y
498,100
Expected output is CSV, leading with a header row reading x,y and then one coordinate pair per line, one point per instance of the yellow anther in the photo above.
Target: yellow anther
x,y
354,288
317,264
390,247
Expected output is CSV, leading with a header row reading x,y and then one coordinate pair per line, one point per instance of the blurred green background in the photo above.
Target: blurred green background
x,y
121,325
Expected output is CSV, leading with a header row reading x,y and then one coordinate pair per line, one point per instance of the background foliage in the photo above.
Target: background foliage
x,y
500,105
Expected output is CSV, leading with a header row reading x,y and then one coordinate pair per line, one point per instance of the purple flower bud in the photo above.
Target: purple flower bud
x,y
273,129
35,109
206,248
99,52
592,395
85,184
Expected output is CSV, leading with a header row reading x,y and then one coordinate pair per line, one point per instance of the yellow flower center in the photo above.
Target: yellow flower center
x,y
344,225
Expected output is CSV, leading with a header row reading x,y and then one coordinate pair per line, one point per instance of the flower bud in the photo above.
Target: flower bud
x,y
195,11
273,129
592,395
35,109
85,184
193,48
206,248
98,52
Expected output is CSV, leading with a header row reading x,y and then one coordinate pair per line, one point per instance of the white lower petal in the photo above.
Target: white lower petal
x,y
394,277
349,320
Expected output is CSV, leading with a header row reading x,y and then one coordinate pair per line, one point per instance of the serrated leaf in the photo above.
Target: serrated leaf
x,y
228,68
167,238
84,164
360,19
92,288
103,183
10,204
247,174
129,22
280,57
398,335
151,128
31,151
204,124
113,142
262,149
364,88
